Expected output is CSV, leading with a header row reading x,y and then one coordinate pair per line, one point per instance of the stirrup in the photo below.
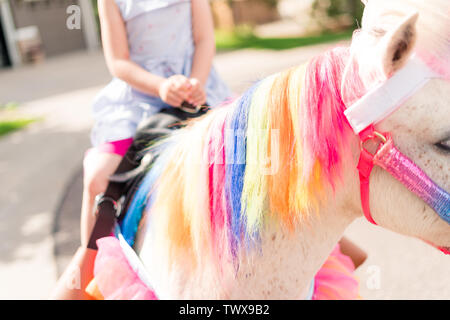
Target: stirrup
x,y
100,198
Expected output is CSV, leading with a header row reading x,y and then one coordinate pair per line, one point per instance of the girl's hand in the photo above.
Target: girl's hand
x,y
174,90
197,95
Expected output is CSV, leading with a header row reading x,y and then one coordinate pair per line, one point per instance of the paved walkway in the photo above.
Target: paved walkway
x,y
37,163
41,164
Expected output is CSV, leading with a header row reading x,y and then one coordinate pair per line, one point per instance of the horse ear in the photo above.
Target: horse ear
x,y
397,44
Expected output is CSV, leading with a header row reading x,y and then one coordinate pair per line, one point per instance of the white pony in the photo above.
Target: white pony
x,y
230,227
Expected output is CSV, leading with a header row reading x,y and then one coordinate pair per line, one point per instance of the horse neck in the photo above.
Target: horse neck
x,y
319,239
320,235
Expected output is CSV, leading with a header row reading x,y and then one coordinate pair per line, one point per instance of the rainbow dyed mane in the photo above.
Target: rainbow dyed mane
x,y
266,158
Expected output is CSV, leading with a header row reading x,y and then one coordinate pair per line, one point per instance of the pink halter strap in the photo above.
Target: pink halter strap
x,y
365,166
389,158
373,108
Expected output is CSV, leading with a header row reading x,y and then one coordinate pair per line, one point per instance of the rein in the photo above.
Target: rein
x,y
374,107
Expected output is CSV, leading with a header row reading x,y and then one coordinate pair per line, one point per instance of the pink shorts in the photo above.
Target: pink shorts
x,y
119,147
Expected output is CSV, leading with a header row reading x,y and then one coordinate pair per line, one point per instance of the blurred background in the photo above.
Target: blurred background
x,y
51,67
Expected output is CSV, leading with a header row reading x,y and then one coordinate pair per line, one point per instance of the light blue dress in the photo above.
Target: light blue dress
x,y
160,40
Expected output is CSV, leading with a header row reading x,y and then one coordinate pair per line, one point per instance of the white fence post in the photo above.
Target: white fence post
x,y
10,32
89,25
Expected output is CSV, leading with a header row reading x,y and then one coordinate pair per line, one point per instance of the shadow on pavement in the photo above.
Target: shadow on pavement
x,y
35,165
66,228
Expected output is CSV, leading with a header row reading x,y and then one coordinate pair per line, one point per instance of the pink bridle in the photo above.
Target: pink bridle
x,y
375,106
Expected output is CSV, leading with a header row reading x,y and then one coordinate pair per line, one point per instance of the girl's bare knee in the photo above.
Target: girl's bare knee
x,y
97,169
95,183
95,179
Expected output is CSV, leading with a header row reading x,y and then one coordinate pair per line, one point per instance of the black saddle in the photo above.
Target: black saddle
x,y
113,204
150,130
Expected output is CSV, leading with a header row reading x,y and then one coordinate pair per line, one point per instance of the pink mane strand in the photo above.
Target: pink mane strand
x,y
216,161
322,112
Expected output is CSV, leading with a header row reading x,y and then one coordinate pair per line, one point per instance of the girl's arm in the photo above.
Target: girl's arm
x,y
115,46
203,33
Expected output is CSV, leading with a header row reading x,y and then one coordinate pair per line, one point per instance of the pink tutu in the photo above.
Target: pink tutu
x,y
114,276
336,280
116,279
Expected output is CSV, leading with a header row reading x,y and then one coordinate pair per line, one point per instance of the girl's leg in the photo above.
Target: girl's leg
x,y
98,166
355,253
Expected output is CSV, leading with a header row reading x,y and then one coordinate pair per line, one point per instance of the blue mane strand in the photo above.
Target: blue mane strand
x,y
235,156
142,199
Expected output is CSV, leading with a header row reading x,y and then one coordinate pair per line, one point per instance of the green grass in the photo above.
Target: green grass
x,y
246,39
8,126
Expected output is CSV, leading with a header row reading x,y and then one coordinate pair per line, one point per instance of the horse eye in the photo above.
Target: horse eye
x,y
444,145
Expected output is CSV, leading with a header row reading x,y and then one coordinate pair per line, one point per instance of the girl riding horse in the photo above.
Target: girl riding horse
x,y
160,54
249,200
